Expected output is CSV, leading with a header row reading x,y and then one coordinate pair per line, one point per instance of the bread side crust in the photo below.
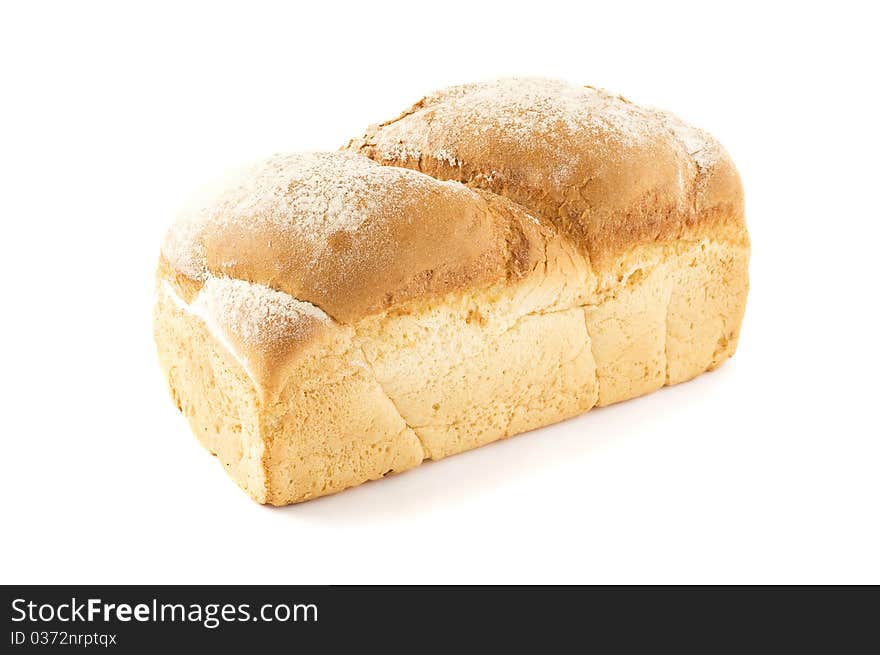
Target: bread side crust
x,y
331,427
433,378
213,390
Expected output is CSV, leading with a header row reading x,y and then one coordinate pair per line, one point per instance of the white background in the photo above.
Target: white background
x,y
767,470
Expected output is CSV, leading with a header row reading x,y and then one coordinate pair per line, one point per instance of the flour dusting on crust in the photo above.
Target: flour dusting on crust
x,y
311,196
515,110
535,115
256,314
701,147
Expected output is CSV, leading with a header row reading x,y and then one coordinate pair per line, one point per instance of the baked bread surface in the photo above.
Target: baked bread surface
x,y
610,174
500,257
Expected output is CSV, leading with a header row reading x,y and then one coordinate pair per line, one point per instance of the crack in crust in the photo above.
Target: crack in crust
x,y
425,452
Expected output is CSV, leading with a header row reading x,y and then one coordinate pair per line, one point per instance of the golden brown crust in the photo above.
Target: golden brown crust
x,y
352,237
610,174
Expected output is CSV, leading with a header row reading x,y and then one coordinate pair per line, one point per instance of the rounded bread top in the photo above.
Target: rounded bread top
x,y
352,237
610,174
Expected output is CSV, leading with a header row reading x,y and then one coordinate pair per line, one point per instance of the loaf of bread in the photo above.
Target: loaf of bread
x,y
499,257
